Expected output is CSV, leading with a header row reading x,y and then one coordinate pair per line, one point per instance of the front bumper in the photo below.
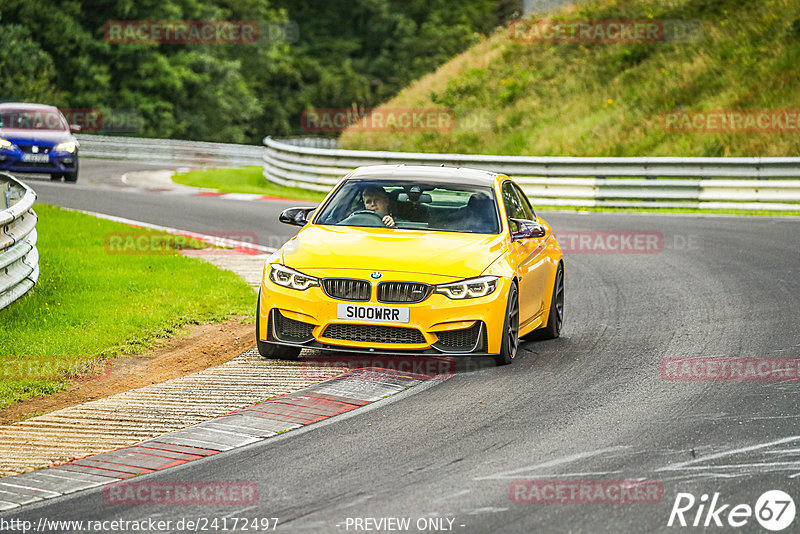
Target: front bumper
x,y
58,162
437,326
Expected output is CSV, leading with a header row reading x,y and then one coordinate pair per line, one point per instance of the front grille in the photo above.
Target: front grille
x,y
374,333
347,288
28,149
291,330
403,292
459,340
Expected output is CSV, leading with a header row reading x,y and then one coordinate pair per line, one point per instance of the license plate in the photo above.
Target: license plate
x,y
378,314
36,158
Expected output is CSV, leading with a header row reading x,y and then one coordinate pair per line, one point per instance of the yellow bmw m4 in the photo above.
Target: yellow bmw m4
x,y
413,260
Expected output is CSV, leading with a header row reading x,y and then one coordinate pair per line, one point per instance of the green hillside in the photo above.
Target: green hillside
x,y
609,99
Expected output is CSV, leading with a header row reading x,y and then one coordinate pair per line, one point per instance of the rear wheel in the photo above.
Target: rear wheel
x,y
556,319
510,340
55,176
271,350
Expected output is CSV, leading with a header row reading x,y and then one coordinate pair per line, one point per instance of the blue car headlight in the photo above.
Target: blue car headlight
x,y
67,146
4,143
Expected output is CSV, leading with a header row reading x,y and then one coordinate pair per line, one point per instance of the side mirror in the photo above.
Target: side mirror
x,y
527,229
295,216
74,128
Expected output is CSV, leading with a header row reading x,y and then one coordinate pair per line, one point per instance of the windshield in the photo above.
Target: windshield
x,y
32,119
447,207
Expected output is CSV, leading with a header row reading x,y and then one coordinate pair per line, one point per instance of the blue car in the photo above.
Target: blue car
x,y
37,138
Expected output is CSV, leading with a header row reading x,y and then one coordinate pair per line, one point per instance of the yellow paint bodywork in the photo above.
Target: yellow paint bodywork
x,y
433,257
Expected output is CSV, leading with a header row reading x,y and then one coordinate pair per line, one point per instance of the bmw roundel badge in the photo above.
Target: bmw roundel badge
x,y
375,275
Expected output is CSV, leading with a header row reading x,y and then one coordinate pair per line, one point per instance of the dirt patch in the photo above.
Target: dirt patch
x,y
204,347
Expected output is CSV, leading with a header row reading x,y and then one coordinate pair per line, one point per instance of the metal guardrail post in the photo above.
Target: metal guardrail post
x,y
19,258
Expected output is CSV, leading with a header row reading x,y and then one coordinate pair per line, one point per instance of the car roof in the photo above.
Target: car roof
x,y
425,174
24,105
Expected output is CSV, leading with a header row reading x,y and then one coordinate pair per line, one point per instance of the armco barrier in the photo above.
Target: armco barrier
x,y
173,151
170,151
19,259
666,182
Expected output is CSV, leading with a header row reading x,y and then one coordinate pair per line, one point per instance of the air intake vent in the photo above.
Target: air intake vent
x,y
291,330
463,340
374,333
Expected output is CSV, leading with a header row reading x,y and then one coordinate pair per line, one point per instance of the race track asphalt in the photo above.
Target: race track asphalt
x,y
591,405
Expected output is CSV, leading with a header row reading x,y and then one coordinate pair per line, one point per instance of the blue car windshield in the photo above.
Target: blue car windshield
x,y
447,207
32,119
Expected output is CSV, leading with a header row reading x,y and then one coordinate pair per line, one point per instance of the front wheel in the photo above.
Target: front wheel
x,y
56,176
510,340
271,350
72,176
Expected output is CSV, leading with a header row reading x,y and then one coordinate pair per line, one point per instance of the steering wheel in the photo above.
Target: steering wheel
x,y
363,218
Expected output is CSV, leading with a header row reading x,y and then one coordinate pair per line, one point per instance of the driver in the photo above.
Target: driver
x,y
377,199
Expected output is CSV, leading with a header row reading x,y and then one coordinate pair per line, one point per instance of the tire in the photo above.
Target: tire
x,y
271,350
556,319
72,176
56,176
510,339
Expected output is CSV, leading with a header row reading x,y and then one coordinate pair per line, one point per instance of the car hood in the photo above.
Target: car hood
x,y
35,137
449,254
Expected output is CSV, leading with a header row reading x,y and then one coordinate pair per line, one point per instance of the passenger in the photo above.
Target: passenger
x,y
479,215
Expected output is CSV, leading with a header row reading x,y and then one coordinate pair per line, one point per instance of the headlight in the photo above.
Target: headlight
x,y
66,146
5,144
286,277
470,288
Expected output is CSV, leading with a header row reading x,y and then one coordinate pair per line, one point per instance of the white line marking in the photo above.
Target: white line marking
x,y
361,499
737,466
452,495
680,465
243,510
551,463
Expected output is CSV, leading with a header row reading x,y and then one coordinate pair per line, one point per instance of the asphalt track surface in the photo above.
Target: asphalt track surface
x,y
588,406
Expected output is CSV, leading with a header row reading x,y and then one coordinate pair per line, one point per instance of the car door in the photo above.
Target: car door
x,y
528,256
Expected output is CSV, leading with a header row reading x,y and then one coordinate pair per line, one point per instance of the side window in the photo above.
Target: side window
x,y
517,206
526,204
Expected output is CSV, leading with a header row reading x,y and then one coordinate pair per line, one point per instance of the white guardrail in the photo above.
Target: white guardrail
x,y
191,153
643,182
19,259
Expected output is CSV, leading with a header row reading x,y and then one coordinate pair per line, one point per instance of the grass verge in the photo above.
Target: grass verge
x,y
243,180
91,305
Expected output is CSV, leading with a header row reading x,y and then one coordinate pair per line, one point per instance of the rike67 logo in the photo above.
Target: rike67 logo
x,y
774,510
